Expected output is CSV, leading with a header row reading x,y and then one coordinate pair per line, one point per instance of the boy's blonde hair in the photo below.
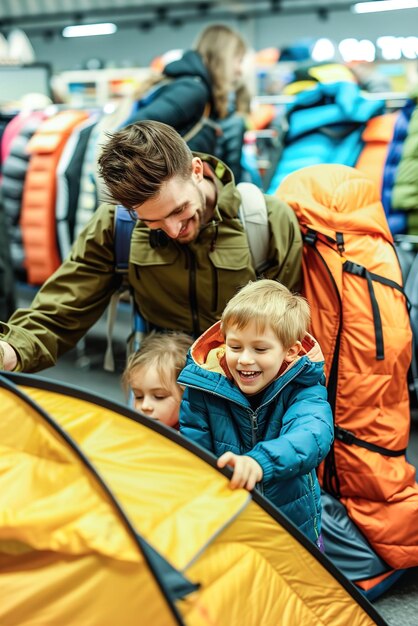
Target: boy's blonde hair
x,y
166,352
269,304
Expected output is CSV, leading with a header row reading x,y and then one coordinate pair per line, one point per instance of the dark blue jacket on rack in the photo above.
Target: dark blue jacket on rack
x,y
397,220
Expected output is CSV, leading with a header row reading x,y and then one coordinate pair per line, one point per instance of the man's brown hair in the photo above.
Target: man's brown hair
x,y
139,158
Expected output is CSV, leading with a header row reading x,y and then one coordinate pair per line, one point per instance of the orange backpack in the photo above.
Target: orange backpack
x,y
353,283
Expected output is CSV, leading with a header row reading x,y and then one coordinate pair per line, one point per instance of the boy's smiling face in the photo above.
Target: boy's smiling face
x,y
254,357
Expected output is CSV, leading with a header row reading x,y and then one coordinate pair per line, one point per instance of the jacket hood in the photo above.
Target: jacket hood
x,y
190,64
208,354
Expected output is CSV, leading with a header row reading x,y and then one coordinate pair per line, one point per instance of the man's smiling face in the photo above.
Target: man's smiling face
x,y
178,209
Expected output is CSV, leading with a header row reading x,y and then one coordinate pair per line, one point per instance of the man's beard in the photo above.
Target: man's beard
x,y
199,219
201,211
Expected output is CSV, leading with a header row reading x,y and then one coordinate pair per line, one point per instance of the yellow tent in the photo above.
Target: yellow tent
x,y
108,518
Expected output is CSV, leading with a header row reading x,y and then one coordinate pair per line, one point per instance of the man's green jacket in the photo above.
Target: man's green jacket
x,y
178,287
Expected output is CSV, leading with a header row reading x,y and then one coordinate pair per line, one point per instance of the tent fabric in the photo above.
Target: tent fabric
x,y
86,484
350,551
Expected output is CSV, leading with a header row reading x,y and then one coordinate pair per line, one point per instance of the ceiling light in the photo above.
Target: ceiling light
x,y
384,5
323,50
88,30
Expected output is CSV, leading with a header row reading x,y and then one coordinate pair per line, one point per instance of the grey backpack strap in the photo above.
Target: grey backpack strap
x,y
109,361
253,215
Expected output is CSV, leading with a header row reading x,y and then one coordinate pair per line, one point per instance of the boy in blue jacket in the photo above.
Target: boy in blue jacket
x,y
255,396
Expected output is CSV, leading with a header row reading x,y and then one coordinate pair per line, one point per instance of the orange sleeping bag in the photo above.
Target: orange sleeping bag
x,y
39,195
352,281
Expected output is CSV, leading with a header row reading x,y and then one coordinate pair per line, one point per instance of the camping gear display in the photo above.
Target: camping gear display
x,y
107,517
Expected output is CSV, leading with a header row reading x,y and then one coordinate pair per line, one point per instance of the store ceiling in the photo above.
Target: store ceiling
x,y
33,15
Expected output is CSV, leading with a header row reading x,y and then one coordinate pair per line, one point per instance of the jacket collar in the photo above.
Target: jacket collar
x,y
229,198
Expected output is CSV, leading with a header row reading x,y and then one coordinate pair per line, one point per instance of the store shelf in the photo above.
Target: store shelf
x,y
90,88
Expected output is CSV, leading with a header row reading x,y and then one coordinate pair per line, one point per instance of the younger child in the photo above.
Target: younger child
x,y
151,374
255,396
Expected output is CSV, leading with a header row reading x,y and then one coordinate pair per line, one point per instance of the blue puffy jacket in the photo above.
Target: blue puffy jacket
x,y
325,126
289,434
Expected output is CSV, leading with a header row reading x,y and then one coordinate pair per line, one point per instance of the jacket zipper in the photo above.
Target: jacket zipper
x,y
253,414
311,483
254,424
192,291
285,385
254,428
215,289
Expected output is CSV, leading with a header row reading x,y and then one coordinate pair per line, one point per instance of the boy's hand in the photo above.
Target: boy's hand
x,y
247,472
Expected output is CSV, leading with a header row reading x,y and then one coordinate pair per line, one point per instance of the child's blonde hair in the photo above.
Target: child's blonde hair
x,y
268,303
166,352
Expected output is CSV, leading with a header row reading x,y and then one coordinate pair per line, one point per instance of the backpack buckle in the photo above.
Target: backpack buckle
x,y
344,435
310,237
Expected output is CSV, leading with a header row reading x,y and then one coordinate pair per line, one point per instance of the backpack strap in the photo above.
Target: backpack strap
x,y
347,437
204,121
360,270
253,215
123,228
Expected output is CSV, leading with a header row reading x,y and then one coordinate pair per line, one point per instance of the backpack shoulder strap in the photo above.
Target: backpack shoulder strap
x,y
145,98
123,227
150,94
203,121
253,215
